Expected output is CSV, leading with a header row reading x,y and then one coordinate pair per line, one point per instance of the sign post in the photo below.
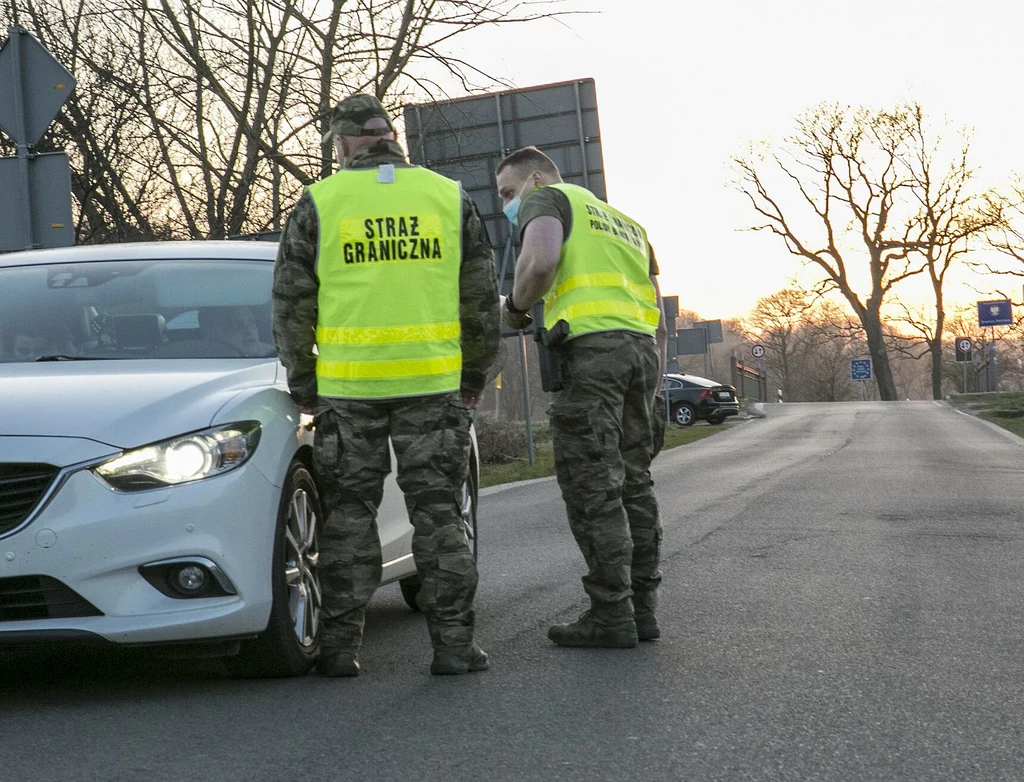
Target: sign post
x,y
964,356
35,209
860,370
671,307
996,312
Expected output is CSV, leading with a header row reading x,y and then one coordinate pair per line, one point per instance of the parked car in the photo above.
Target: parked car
x,y
691,398
156,481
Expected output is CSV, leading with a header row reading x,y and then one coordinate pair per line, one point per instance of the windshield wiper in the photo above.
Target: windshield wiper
x,y
60,357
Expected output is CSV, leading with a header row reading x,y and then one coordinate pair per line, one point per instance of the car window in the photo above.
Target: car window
x,y
693,381
136,309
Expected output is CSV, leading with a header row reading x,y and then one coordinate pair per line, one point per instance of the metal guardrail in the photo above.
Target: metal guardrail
x,y
750,383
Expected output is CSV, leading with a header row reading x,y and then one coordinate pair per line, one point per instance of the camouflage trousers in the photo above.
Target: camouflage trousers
x,y
604,429
431,440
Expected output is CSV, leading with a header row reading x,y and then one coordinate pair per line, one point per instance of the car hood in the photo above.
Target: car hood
x,y
122,403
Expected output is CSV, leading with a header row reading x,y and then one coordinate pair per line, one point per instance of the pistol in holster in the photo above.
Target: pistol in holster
x,y
551,351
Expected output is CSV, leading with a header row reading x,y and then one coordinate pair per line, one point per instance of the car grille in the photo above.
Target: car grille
x,y
40,597
21,488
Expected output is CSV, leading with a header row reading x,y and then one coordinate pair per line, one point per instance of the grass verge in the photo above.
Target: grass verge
x,y
544,461
1005,410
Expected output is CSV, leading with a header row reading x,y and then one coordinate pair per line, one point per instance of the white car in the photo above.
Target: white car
x,y
156,482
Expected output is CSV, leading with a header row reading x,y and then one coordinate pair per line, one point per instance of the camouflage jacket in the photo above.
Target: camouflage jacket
x,y
296,287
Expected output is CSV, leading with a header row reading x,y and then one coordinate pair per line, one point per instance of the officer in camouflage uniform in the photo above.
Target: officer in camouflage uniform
x,y
596,271
388,268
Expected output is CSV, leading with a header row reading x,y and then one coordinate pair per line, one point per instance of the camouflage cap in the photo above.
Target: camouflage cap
x,y
353,112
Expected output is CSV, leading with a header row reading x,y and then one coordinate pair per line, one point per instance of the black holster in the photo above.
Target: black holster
x,y
551,352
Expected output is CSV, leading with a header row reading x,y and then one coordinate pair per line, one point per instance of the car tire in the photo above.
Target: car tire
x,y
715,420
280,651
684,414
411,585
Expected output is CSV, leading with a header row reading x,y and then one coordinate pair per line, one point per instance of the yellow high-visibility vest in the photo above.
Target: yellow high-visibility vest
x,y
388,264
603,279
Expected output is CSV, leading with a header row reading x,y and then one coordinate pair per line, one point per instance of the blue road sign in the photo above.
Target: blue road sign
x,y
860,369
995,313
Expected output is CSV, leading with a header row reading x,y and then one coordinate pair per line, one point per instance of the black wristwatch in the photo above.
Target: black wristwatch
x,y
512,307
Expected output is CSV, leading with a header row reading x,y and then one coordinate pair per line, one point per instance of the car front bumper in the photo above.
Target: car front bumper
x,y
93,540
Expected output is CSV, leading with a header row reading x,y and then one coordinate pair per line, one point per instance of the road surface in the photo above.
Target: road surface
x,y
843,599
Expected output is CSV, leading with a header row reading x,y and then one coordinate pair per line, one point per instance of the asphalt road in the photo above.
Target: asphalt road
x,y
843,599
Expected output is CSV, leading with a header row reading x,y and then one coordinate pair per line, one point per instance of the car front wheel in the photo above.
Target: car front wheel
x,y
291,642
684,414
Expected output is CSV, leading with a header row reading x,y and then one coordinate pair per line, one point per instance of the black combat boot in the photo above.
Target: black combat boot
x,y
644,606
338,662
605,625
453,662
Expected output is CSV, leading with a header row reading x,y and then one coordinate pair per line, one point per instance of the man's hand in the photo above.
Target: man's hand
x,y
514,318
307,415
471,399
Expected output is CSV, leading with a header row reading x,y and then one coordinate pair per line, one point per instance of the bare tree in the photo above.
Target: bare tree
x,y
1008,236
205,119
844,193
951,215
828,338
774,323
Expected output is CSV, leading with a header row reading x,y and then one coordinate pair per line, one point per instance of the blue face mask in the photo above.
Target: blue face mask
x,y
511,209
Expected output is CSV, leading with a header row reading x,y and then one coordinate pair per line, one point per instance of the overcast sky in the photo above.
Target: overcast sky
x,y
682,86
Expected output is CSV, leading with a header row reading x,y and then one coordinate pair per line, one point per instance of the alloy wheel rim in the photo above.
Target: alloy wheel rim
x,y
683,415
467,512
302,558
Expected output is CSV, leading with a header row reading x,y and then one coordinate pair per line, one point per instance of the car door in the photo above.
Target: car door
x,y
393,525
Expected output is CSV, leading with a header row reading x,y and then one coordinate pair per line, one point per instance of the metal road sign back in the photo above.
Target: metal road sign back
x,y
35,190
995,313
714,329
466,138
692,342
860,369
48,206
33,87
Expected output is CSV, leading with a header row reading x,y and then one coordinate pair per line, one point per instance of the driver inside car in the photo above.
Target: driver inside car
x,y
32,344
234,326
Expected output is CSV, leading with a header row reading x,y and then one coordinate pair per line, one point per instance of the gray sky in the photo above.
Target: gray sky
x,y
682,86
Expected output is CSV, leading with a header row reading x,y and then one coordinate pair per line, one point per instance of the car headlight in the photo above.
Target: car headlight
x,y
184,459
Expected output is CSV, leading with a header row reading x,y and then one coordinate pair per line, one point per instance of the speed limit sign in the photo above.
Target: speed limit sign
x,y
758,351
963,350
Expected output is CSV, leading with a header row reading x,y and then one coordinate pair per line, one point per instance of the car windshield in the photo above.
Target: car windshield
x,y
136,309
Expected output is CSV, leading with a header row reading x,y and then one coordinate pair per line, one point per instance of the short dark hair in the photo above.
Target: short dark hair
x,y
529,159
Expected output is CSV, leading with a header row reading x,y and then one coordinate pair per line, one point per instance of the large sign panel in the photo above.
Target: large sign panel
x,y
466,138
995,313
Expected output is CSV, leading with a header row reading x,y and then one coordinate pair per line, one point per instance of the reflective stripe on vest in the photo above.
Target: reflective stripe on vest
x,y
388,264
603,279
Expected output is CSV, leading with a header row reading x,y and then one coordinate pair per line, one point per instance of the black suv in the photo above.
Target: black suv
x,y
691,398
